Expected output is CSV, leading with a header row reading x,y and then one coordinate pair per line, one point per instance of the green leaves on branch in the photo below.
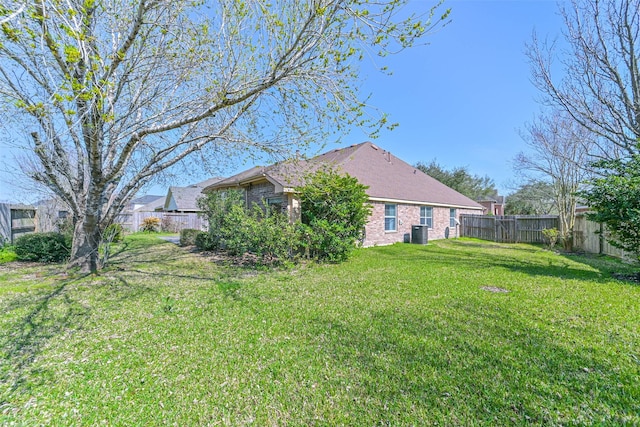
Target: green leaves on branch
x,y
614,200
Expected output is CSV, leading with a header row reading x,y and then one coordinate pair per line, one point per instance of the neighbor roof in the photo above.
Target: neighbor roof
x,y
388,177
186,198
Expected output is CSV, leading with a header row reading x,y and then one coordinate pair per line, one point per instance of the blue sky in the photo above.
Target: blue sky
x,y
460,99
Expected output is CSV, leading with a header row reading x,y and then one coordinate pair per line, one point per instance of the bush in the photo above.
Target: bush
x,y
334,213
216,207
551,236
203,241
43,247
7,254
114,233
151,224
188,236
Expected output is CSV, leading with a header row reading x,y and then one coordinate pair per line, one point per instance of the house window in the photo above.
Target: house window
x,y
390,217
274,204
452,217
426,216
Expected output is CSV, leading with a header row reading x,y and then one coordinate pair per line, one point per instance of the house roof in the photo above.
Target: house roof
x,y
143,200
186,198
388,177
152,206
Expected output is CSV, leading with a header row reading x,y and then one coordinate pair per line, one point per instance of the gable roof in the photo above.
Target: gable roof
x,y
186,198
388,177
154,205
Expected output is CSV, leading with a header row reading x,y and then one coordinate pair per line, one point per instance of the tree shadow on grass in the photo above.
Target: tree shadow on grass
x,y
463,367
36,318
459,257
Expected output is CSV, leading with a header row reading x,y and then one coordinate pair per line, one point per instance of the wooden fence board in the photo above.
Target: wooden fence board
x,y
590,237
508,228
170,221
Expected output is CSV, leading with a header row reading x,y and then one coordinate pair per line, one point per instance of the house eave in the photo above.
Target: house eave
x,y
416,202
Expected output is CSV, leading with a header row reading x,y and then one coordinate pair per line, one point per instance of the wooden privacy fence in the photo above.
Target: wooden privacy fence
x,y
590,237
169,221
507,229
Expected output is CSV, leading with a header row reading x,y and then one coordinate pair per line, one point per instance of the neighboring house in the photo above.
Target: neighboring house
x,y
400,194
153,206
493,206
144,201
185,199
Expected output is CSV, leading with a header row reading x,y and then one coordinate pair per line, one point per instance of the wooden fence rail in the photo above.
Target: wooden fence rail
x,y
507,229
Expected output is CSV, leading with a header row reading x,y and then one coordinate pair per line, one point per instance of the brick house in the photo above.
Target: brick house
x,y
400,194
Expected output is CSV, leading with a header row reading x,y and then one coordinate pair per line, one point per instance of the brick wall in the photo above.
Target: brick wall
x,y
259,193
407,215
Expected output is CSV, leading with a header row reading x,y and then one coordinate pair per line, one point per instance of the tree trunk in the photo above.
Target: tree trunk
x,y
86,239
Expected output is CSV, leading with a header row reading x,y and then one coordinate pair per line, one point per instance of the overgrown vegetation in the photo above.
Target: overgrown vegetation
x,y
7,254
334,212
188,236
43,247
460,332
614,199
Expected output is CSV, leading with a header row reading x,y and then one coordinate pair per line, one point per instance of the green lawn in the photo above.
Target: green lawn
x,y
400,335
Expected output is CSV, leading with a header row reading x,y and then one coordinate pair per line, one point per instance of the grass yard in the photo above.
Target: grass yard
x,y
400,335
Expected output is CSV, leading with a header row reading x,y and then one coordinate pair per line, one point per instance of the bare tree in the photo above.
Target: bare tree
x,y
113,92
559,152
601,86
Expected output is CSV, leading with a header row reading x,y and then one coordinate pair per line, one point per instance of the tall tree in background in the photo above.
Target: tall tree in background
x,y
111,93
532,198
460,179
558,153
600,88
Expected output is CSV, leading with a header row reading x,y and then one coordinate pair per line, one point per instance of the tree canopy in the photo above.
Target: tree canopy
x,y
460,179
532,198
108,94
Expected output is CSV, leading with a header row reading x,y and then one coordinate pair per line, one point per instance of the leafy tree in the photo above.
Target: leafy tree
x,y
334,212
109,94
216,207
460,179
615,201
532,198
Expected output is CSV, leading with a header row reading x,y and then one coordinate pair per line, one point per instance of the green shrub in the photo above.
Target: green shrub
x,y
188,236
203,242
43,247
114,233
551,236
334,213
216,207
7,254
